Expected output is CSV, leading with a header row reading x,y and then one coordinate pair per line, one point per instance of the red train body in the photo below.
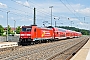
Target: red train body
x,y
33,34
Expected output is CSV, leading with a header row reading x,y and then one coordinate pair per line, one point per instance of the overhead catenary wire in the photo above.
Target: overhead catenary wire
x,y
42,14
44,10
31,8
21,4
14,13
40,7
20,17
73,9
70,6
67,7
20,10
18,14
47,15
16,10
76,13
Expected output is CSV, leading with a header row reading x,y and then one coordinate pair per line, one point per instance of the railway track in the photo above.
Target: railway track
x,y
68,53
45,51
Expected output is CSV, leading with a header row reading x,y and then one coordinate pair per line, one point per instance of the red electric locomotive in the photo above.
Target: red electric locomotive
x,y
33,34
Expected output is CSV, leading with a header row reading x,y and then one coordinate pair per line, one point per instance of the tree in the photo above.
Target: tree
x,y
1,30
18,29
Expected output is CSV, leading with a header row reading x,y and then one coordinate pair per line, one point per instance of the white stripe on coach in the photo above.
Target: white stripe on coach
x,y
26,34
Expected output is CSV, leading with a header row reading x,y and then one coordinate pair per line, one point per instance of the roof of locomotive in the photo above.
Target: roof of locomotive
x,y
28,26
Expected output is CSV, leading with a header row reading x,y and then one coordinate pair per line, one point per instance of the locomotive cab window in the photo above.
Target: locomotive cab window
x,y
26,29
23,29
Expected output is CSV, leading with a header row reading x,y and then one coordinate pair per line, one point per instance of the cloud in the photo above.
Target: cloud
x,y
3,5
83,24
24,3
19,2
85,11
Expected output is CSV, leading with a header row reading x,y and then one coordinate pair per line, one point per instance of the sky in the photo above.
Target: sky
x,y
73,13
